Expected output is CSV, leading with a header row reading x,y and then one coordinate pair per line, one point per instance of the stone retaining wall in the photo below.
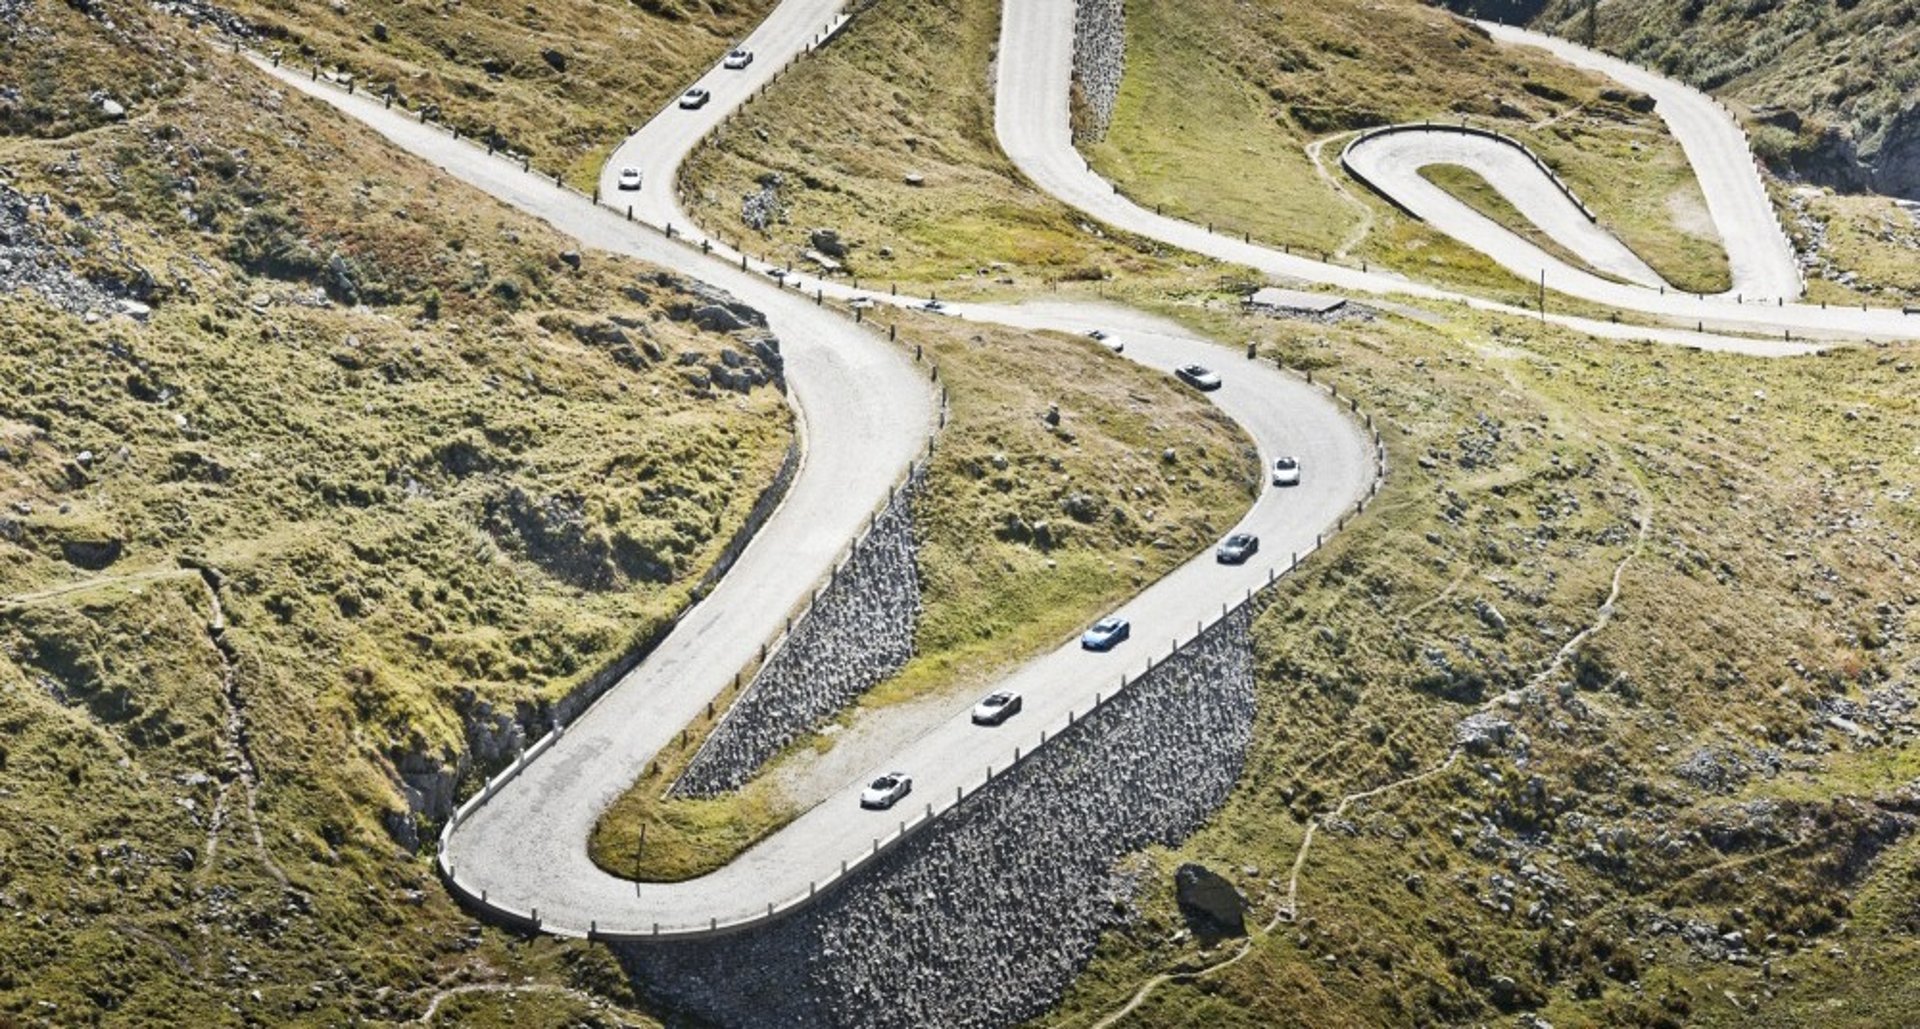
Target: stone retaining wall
x,y
1099,61
858,632
985,917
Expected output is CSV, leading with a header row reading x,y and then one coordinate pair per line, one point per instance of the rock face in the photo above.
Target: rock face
x,y
858,632
1896,163
1210,904
1099,61
984,918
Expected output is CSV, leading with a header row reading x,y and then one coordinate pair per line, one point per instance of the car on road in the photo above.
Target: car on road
x,y
1286,471
1200,377
1106,633
738,59
886,791
934,307
1108,340
629,178
996,708
1235,549
694,98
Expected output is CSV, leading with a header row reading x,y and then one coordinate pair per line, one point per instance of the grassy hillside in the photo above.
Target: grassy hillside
x,y
1006,572
911,94
563,80
1235,113
317,463
1701,814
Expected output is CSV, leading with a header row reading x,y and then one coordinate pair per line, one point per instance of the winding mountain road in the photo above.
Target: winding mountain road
x,y
1035,71
866,411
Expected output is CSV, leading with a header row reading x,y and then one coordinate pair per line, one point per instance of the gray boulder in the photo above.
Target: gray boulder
x,y
1210,904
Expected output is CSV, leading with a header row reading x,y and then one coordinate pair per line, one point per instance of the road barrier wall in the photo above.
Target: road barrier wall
x,y
858,632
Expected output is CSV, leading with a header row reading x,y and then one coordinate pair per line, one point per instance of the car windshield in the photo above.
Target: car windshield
x,y
1107,624
1286,464
1239,541
998,699
885,782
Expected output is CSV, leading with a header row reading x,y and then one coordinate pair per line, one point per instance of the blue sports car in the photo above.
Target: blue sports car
x,y
1106,633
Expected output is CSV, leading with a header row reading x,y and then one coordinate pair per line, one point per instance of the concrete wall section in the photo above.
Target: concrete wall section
x,y
1099,60
858,632
984,918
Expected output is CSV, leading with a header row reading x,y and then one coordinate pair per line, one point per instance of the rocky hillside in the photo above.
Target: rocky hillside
x,y
321,480
563,80
1833,88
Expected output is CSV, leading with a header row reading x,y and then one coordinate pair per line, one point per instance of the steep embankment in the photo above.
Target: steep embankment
x,y
325,478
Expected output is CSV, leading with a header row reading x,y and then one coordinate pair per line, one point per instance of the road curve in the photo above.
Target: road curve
x,y
1391,162
866,411
659,147
1034,73
524,851
1757,247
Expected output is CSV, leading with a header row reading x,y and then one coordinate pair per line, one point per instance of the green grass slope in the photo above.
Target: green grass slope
x,y
371,470
1700,814
906,91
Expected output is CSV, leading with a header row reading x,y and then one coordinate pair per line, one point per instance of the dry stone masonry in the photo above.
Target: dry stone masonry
x,y
858,633
985,917
1099,60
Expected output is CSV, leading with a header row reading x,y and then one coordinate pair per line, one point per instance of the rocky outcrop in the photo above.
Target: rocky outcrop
x,y
762,209
1209,903
31,261
987,915
858,632
1099,61
1896,161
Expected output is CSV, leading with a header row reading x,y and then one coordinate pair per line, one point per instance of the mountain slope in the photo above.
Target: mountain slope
x,y
1833,90
324,479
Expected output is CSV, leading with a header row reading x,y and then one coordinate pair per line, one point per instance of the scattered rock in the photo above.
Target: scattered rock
x,y
828,242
